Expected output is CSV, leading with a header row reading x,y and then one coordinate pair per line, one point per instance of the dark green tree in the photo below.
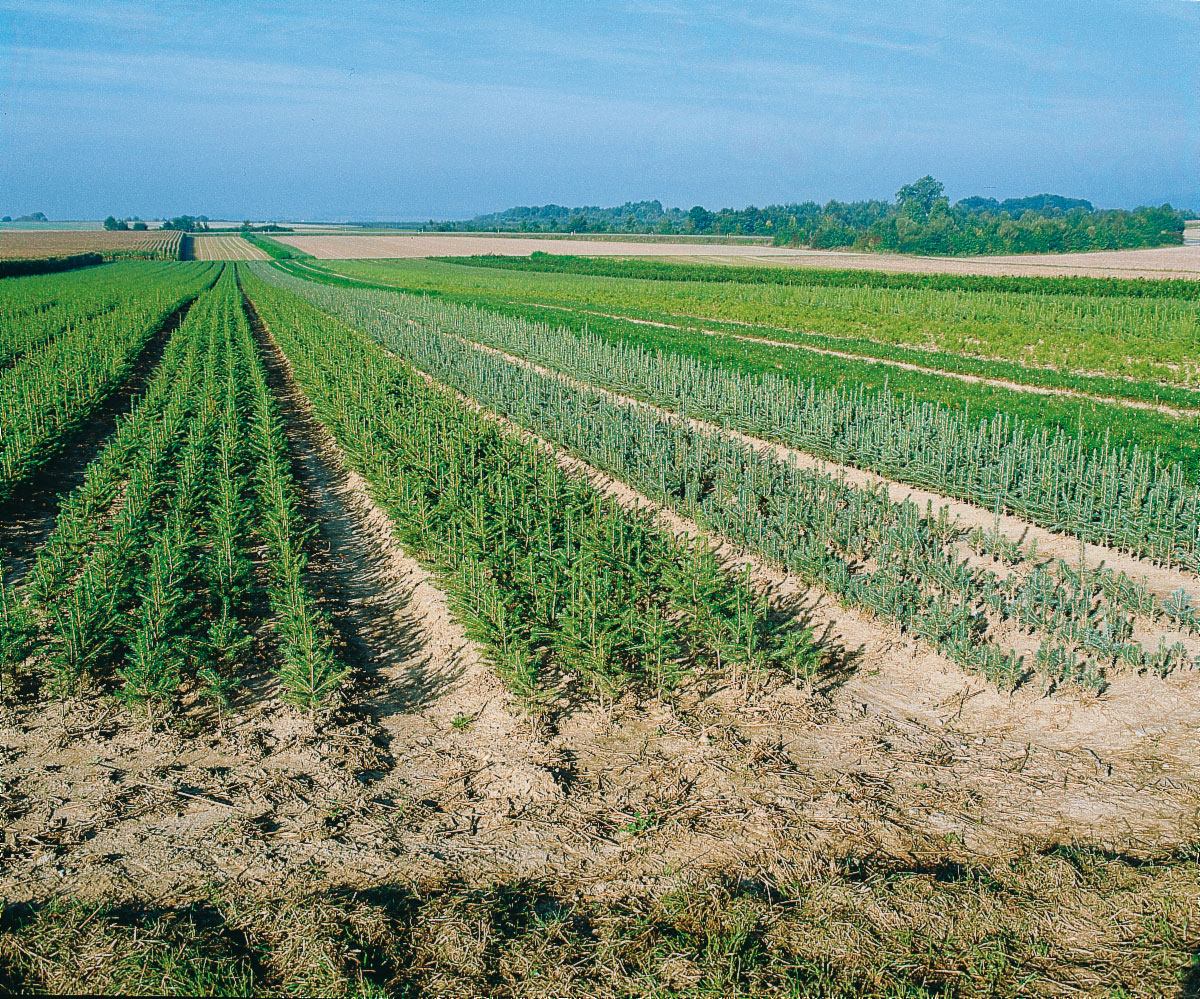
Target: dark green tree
x,y
921,195
700,219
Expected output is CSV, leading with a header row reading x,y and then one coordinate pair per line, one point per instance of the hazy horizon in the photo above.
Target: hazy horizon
x,y
394,113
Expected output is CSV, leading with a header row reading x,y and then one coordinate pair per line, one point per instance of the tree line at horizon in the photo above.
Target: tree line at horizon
x,y
920,220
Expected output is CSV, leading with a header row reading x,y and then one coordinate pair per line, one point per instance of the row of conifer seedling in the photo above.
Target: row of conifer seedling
x,y
183,541
898,562
180,562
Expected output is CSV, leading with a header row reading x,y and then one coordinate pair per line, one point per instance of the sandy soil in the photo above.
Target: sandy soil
x,y
226,248
1174,261
345,247
428,771
1159,262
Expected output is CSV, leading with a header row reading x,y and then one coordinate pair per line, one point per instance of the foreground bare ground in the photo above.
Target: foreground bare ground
x,y
1174,261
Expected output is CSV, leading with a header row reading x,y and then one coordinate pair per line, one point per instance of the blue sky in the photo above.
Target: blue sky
x,y
409,110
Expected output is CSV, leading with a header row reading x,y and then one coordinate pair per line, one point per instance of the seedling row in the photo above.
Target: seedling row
x,y
561,586
1124,498
1062,623
181,559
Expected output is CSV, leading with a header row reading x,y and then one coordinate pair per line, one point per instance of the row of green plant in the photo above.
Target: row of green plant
x,y
1125,497
22,266
870,552
53,389
35,310
1093,420
653,269
558,583
1101,386
275,249
153,578
1150,339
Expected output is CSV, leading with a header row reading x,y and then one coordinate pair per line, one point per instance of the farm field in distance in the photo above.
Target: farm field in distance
x,y
1163,262
408,626
225,247
151,244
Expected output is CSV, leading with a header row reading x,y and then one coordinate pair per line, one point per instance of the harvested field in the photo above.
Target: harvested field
x,y
152,244
1162,262
225,248
1157,262
347,247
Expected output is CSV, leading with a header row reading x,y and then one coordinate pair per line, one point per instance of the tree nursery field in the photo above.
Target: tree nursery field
x,y
158,244
579,626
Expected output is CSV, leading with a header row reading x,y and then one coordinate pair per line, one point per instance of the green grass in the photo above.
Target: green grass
x,y
1094,420
273,248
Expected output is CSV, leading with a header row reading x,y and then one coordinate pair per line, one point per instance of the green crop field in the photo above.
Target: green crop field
x,y
423,627
1128,336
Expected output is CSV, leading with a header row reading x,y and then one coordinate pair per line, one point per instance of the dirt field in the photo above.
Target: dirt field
x,y
21,245
347,247
1160,262
1173,261
226,248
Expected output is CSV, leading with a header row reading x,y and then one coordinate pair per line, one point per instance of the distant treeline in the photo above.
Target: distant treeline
x,y
188,223
920,220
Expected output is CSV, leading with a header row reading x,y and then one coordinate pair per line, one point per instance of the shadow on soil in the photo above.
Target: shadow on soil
x,y
914,932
